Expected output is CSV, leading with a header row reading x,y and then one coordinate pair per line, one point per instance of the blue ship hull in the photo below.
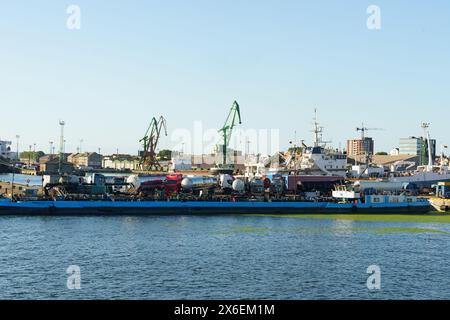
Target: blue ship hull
x,y
200,207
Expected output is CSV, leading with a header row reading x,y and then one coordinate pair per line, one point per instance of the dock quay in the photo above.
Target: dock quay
x,y
20,189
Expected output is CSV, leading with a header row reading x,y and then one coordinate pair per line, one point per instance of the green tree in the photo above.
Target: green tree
x,y
31,155
381,154
165,154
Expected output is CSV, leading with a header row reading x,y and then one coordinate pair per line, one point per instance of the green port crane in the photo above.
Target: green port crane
x,y
150,142
233,116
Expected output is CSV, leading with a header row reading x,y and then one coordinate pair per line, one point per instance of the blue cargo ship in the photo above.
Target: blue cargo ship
x,y
370,204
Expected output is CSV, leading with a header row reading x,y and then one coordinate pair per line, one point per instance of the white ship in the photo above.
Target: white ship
x,y
320,160
429,175
315,160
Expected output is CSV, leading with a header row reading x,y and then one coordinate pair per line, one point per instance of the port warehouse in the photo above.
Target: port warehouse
x,y
50,164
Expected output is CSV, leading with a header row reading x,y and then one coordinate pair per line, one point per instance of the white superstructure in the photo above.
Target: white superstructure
x,y
322,160
5,150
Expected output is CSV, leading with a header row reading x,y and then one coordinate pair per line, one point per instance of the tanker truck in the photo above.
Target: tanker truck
x,y
199,184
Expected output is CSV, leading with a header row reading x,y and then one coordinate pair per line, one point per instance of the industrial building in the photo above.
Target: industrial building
x,y
356,147
5,150
417,146
50,164
121,162
86,159
383,160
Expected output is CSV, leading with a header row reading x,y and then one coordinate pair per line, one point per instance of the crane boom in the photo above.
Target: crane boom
x,y
230,123
364,129
234,117
150,143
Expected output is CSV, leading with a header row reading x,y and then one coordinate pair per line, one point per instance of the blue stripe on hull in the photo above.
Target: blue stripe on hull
x,y
201,204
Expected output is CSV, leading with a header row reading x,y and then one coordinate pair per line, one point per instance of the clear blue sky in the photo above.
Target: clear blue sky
x,y
189,60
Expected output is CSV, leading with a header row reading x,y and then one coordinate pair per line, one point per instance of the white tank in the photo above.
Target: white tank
x,y
136,180
226,181
190,183
379,186
238,185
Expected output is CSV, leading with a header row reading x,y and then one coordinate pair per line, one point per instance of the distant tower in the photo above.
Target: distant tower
x,y
61,145
426,127
17,147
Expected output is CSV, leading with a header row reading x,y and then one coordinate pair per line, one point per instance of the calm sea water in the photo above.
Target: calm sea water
x,y
221,257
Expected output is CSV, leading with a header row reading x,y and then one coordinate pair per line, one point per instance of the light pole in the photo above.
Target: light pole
x,y
61,145
17,147
34,152
295,137
29,157
51,147
81,143
14,168
247,151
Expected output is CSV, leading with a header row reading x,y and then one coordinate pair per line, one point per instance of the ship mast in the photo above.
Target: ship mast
x,y
318,132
